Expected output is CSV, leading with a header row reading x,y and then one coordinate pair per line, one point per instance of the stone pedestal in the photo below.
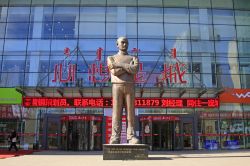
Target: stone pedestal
x,y
125,152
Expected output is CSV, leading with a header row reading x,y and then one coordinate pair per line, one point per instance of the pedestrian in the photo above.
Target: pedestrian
x,y
13,140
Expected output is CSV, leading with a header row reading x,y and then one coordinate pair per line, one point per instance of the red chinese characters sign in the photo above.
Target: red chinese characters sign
x,y
160,118
107,102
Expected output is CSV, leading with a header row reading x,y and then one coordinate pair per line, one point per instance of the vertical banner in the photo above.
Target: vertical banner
x,y
124,130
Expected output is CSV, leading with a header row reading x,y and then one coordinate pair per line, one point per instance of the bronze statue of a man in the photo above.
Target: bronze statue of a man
x,y
123,68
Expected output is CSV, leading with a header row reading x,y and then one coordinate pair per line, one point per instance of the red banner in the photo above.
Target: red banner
x,y
235,96
107,102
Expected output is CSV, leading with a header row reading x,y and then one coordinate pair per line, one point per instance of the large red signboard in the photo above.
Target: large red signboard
x,y
107,102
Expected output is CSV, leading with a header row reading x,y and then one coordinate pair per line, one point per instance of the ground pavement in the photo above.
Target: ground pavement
x,y
169,158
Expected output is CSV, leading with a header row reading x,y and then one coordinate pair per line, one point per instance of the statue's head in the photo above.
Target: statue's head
x,y
122,43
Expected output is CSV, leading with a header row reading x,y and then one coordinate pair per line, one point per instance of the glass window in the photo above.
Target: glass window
x,y
47,30
200,4
11,79
223,17
93,2
226,48
245,65
203,48
150,30
91,45
150,14
244,49
121,14
1,45
17,30
228,81
177,31
3,13
18,14
155,45
91,30
226,65
157,3
242,17
175,3
47,14
241,4
19,2
201,16
2,30
245,81
121,3
222,4
201,32
176,15
65,24
224,32
92,14
59,46
121,29
66,14
202,64
66,2
38,46
43,2
183,47
13,64
4,2
20,45
65,30
243,33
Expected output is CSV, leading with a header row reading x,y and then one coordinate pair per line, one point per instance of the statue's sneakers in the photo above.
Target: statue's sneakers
x,y
114,141
134,140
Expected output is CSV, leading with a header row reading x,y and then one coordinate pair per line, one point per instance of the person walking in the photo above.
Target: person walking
x,y
13,140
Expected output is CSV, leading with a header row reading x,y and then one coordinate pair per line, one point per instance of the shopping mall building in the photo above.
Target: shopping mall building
x,y
192,87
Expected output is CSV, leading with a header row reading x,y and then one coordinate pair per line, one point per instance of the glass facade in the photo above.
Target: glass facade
x,y
211,37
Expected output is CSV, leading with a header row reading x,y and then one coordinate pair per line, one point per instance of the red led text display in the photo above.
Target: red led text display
x,y
107,102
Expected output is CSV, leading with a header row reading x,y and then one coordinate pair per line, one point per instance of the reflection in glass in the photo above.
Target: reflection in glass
x,y
18,14
92,14
223,17
244,49
226,48
150,15
17,30
176,15
177,31
243,33
201,16
242,17
150,30
11,79
91,30
224,32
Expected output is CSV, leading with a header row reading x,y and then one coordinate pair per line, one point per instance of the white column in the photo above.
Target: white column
x,y
34,56
205,57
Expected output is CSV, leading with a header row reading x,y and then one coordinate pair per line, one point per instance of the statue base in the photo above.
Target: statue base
x,y
125,152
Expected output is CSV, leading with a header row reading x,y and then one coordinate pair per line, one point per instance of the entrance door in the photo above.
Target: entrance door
x,y
78,135
188,133
52,138
84,135
162,137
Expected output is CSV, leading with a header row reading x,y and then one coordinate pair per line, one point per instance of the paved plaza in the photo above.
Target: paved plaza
x,y
176,158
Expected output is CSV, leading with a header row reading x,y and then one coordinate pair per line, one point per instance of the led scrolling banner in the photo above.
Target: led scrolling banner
x,y
107,102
